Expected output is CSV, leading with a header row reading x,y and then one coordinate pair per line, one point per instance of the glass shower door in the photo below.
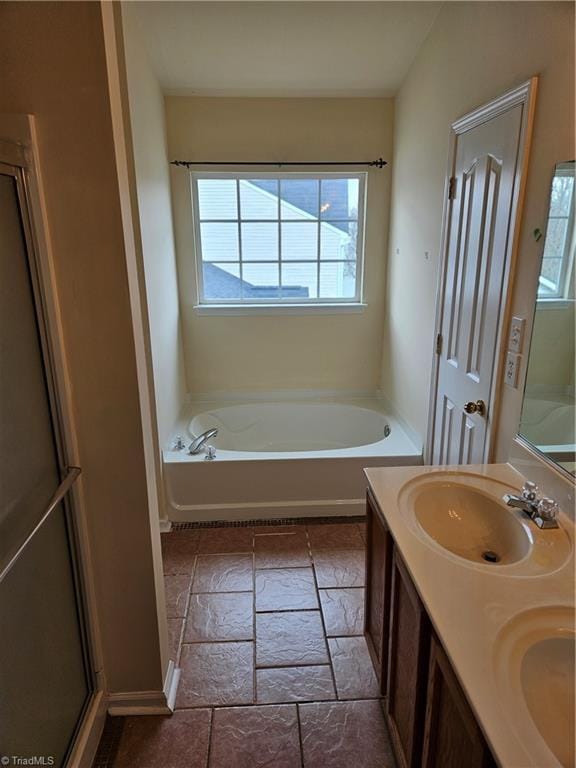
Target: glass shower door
x,y
45,682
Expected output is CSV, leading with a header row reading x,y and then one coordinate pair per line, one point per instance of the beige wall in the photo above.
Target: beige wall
x,y
474,52
336,352
52,64
156,229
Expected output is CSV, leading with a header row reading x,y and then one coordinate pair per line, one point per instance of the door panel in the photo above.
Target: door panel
x,y
42,675
29,460
467,441
448,425
477,244
45,682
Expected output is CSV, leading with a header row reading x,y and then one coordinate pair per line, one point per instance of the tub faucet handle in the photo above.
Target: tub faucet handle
x,y
210,453
179,443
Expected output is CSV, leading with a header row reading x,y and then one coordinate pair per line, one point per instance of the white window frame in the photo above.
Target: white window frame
x,y
279,306
560,293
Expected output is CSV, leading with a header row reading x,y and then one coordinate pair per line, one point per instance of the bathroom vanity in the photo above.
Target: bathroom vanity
x,y
469,620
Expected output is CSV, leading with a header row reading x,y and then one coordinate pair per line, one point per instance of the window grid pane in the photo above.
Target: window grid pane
x,y
301,253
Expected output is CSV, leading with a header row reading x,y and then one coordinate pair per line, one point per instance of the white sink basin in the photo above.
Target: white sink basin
x,y
471,524
535,663
463,515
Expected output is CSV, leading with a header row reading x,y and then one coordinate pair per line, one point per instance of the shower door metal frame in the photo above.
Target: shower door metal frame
x,y
18,159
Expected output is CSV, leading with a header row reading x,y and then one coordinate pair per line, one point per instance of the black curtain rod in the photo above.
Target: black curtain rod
x,y
380,163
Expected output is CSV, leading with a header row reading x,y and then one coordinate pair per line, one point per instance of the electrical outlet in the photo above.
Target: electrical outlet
x,y
511,370
516,339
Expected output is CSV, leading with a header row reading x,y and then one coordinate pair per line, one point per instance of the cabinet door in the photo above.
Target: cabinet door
x,y
378,588
407,667
452,737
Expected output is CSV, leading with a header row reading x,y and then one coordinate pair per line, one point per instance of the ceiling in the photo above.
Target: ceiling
x,y
283,48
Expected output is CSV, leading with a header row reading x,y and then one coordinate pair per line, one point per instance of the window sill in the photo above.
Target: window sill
x,y
554,303
221,310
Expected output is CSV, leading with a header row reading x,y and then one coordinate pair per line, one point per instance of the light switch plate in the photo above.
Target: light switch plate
x,y
516,339
511,370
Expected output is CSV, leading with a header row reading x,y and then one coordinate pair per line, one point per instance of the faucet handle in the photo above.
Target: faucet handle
x,y
178,444
548,509
529,491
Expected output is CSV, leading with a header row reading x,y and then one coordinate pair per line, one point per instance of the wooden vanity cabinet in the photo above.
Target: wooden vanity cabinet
x,y
409,646
430,722
378,580
451,732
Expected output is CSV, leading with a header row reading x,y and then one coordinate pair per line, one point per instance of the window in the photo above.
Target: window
x,y
557,258
279,238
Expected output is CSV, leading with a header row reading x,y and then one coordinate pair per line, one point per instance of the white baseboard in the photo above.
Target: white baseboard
x,y
171,684
162,702
269,510
165,525
88,739
127,703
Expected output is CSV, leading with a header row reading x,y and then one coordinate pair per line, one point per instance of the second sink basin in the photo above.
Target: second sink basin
x,y
547,676
471,524
534,661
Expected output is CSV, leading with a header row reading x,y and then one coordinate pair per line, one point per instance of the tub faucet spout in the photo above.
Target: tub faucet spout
x,y
199,443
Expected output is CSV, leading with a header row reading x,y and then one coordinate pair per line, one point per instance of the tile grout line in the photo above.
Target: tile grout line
x,y
184,620
300,734
288,610
254,676
322,616
210,732
264,704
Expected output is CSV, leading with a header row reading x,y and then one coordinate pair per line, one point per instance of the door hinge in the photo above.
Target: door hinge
x,y
439,344
452,188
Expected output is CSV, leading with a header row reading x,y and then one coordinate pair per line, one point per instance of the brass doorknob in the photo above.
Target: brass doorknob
x,y
478,407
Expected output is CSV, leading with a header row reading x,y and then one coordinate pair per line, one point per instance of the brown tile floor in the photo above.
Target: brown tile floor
x,y
266,625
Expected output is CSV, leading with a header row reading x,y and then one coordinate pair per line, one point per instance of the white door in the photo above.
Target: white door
x,y
479,230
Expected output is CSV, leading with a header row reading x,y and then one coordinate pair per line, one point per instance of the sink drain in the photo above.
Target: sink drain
x,y
490,556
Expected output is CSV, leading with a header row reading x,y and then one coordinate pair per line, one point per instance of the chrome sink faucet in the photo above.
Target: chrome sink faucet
x,y
199,443
542,511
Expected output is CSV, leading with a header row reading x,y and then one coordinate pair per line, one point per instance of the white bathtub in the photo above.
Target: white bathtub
x,y
281,459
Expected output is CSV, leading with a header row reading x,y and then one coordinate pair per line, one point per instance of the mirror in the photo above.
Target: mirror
x,y
548,412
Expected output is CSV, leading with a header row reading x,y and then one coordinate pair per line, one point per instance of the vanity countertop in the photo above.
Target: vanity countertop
x,y
475,608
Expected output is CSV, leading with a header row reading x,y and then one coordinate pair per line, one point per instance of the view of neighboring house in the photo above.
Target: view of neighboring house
x,y
221,284
281,243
